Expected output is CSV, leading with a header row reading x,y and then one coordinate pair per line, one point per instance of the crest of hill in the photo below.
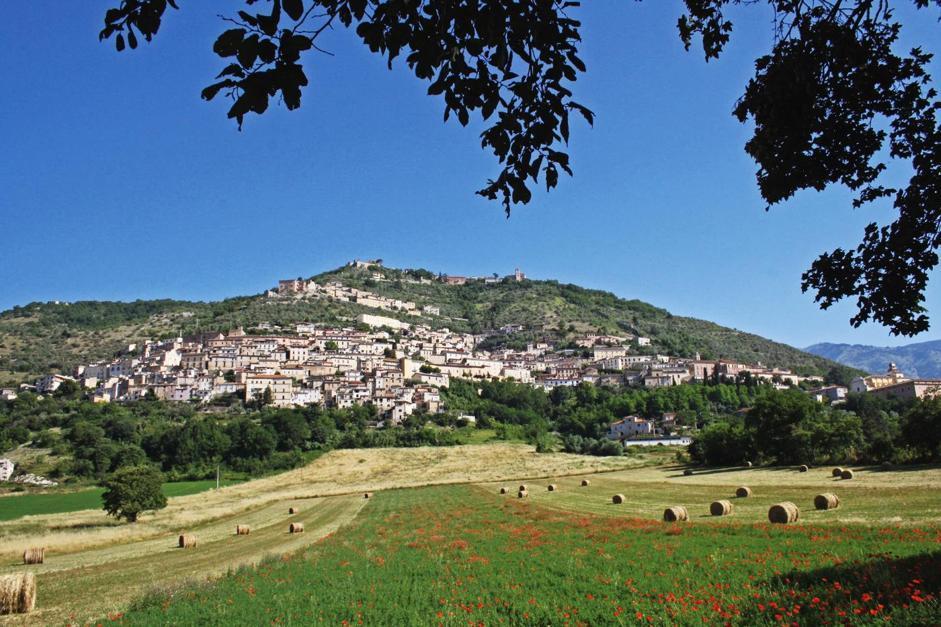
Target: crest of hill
x,y
49,337
551,310
921,359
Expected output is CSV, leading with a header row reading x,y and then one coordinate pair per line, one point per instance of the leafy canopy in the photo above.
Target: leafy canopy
x,y
133,490
829,102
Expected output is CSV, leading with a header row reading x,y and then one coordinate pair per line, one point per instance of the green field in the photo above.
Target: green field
x,y
438,544
13,507
463,555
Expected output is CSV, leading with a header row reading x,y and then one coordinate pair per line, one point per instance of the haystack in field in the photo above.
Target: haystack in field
x,y
17,593
748,464
826,501
721,507
783,513
552,487
292,510
242,530
836,472
523,488
296,528
846,474
522,494
34,555
803,468
187,540
367,495
617,499
743,492
688,472
504,490
677,513
585,482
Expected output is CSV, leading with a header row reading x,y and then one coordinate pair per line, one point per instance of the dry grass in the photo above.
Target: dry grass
x,y
826,501
784,513
908,496
34,555
93,583
722,507
17,593
337,472
677,513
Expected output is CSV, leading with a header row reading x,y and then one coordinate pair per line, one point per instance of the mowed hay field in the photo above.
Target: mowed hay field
x,y
459,555
95,565
873,497
437,544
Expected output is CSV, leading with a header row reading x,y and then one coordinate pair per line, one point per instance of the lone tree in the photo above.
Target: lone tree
x,y
832,102
133,490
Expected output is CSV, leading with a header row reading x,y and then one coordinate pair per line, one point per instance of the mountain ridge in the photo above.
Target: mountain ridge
x,y
47,337
919,359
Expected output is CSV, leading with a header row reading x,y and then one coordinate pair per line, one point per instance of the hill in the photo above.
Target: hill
x,y
922,359
47,337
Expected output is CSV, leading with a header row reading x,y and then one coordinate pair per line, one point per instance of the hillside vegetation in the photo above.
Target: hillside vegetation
x,y
48,337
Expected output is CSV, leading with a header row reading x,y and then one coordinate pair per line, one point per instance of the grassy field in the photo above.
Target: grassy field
x,y
874,497
437,544
17,506
463,555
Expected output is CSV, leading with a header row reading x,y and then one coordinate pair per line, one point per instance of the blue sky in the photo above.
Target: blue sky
x,y
118,182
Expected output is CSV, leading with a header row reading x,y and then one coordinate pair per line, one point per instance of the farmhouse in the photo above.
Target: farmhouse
x,y
630,426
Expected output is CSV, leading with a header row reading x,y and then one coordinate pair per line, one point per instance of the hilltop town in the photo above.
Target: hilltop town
x,y
397,366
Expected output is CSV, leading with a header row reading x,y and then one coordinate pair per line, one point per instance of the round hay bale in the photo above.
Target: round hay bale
x,y
617,499
523,488
296,528
522,494
783,513
743,492
748,464
34,555
803,468
242,530
585,483
367,495
826,501
688,472
846,474
721,507
292,510
552,487
187,540
504,490
677,513
17,593
836,472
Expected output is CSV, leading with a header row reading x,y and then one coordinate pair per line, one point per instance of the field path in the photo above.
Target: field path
x,y
84,586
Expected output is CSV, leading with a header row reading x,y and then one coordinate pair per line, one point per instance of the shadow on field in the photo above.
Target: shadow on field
x,y
842,592
708,470
900,468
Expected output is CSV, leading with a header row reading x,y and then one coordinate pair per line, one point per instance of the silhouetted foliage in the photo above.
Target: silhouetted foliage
x,y
826,102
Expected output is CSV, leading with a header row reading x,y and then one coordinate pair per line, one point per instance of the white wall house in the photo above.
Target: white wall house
x,y
630,426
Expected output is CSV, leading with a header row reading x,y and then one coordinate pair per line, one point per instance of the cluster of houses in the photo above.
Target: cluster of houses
x,y
399,366
892,384
395,366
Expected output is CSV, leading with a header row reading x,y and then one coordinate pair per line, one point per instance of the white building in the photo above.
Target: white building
x,y
630,426
6,469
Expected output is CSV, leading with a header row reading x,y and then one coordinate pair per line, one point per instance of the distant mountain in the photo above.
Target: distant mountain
x,y
44,337
915,360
